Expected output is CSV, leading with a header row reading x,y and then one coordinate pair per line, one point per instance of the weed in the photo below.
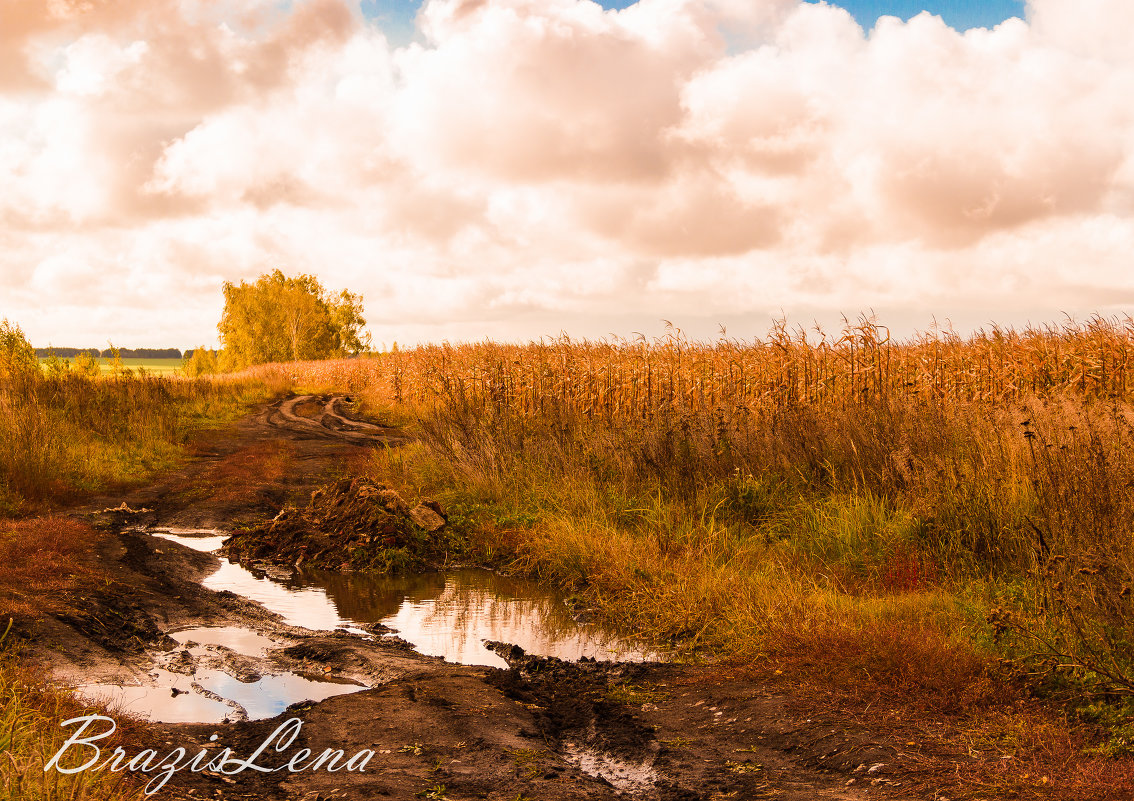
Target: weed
x,y
528,763
634,694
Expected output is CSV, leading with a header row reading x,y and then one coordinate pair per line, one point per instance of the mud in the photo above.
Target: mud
x,y
541,729
351,524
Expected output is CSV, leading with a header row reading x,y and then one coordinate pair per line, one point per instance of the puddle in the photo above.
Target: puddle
x,y
199,539
269,695
243,641
209,679
215,673
441,614
157,701
451,614
307,607
212,696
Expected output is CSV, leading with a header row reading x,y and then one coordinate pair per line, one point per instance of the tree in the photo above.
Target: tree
x,y
86,364
281,319
18,362
200,361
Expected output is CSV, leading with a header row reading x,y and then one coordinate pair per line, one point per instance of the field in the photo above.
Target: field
x,y
149,366
65,434
913,531
941,512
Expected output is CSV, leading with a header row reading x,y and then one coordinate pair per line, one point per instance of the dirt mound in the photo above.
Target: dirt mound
x,y
352,524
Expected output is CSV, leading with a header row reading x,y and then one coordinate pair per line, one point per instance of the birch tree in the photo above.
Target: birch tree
x,y
281,319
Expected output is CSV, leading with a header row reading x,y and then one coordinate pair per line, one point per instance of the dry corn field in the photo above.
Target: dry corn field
x,y
627,379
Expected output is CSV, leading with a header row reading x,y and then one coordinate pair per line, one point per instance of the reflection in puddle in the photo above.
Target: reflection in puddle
x,y
208,680
298,606
305,607
270,695
243,641
199,539
158,701
441,614
450,614
212,696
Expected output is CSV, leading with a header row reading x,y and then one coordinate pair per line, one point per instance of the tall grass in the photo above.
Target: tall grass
x,y
65,432
640,379
748,495
30,735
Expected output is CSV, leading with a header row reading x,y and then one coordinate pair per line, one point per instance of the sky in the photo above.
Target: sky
x,y
397,16
513,169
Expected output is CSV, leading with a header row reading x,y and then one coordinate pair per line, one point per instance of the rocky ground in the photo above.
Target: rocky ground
x,y
543,729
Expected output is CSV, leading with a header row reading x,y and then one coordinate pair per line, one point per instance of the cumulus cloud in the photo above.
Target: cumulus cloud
x,y
527,165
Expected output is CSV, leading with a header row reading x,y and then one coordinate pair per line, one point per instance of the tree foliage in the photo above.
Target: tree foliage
x,y
18,362
200,361
282,319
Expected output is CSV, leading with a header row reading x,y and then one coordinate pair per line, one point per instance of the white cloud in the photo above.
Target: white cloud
x,y
544,163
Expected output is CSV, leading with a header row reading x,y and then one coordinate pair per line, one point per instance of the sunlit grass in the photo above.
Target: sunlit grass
x,y
69,434
30,735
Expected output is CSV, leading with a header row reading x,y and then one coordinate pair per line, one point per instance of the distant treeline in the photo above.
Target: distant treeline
x,y
125,353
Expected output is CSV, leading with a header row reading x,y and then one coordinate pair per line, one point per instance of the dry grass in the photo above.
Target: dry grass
x,y
641,379
30,734
67,435
41,560
854,509
814,477
800,465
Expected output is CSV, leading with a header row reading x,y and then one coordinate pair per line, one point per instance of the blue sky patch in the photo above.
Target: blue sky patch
x,y
396,16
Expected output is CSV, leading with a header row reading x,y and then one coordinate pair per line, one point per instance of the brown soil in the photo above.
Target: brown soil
x,y
351,524
543,729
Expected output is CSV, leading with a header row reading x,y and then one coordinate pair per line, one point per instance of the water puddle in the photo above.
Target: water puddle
x,y
307,607
170,699
199,539
218,673
451,614
269,695
243,641
214,677
442,614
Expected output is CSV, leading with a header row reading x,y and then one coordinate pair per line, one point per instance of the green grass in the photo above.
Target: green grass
x,y
66,431
62,436
149,366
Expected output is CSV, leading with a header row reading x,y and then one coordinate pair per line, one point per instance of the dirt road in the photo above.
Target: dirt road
x,y
542,729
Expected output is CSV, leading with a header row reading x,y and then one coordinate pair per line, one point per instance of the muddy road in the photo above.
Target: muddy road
x,y
541,729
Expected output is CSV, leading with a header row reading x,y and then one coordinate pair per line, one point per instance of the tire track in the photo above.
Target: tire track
x,y
330,422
